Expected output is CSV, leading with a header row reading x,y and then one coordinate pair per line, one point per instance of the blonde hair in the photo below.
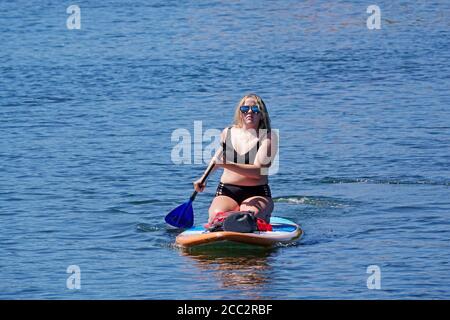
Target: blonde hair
x,y
265,119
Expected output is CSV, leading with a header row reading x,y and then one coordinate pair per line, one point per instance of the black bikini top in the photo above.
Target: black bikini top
x,y
228,150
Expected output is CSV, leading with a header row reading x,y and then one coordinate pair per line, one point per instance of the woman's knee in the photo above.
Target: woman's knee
x,y
262,207
213,210
221,204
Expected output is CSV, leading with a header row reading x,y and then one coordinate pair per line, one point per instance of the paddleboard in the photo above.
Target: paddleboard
x,y
284,231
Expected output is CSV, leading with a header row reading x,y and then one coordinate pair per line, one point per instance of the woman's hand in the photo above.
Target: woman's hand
x,y
198,186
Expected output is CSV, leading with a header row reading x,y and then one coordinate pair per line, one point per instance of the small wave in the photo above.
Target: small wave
x,y
313,201
49,99
145,227
336,180
288,245
115,210
139,202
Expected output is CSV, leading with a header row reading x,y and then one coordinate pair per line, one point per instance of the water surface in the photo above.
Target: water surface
x,y
86,118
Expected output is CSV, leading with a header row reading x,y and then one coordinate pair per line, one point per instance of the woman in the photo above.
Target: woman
x,y
248,148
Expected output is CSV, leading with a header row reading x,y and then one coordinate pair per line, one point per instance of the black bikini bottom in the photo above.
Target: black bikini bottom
x,y
240,193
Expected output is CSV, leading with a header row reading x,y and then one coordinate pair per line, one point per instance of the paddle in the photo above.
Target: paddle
x,y
183,215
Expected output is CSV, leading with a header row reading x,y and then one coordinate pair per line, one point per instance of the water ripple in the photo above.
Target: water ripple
x,y
337,180
317,201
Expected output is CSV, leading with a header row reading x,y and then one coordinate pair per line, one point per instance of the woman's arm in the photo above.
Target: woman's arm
x,y
263,159
200,184
214,159
217,157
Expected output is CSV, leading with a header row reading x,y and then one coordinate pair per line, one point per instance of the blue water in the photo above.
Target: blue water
x,y
86,118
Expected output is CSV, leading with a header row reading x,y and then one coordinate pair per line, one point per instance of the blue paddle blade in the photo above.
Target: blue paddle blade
x,y
182,216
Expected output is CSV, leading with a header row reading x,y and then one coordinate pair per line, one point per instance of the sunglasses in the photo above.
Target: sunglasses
x,y
246,109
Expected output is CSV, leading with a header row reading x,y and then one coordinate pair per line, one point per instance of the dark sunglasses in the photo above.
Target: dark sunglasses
x,y
246,109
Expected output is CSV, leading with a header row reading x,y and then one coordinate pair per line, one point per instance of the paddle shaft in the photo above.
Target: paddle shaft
x,y
208,171
183,215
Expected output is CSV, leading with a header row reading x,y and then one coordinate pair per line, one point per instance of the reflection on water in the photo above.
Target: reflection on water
x,y
245,269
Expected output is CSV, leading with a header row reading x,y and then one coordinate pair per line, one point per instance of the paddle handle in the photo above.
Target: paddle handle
x,y
208,171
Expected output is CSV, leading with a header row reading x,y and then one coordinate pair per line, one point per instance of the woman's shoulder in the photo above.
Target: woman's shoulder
x,y
224,133
269,135
226,129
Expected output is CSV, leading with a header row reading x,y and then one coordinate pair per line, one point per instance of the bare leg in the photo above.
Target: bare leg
x,y
262,206
222,204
